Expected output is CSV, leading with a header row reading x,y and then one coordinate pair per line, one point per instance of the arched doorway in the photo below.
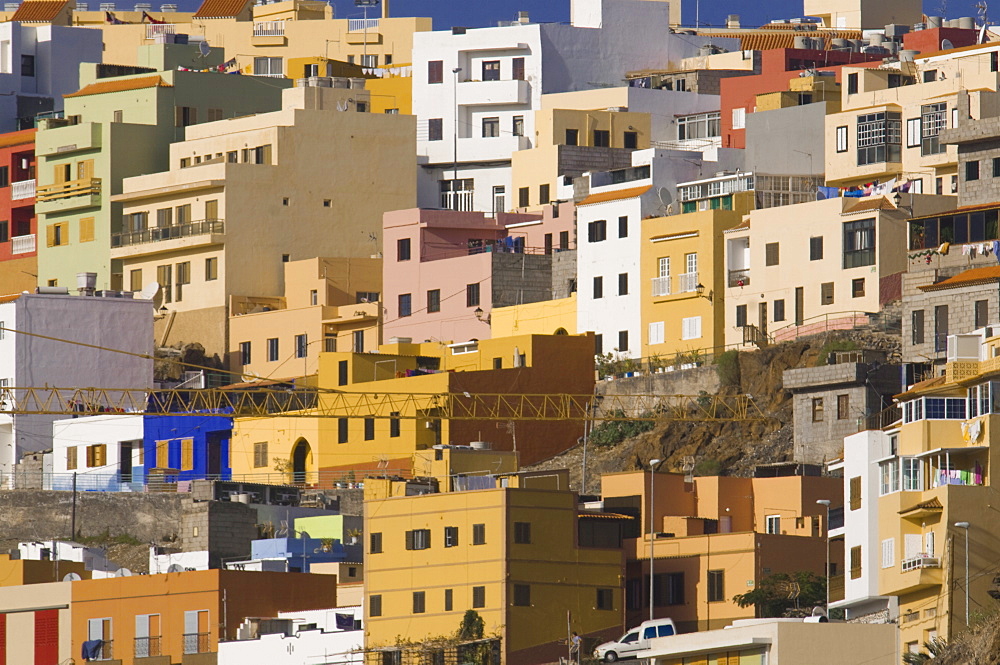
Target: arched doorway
x,y
300,457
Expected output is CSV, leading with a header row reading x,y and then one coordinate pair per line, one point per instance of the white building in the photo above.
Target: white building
x,y
609,240
105,453
39,63
67,342
161,563
92,558
306,638
475,91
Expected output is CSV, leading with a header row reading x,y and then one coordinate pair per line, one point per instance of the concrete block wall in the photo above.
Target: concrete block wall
x,y
961,313
563,273
521,278
816,442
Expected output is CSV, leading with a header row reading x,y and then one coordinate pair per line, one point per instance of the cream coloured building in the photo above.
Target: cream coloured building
x,y
867,14
244,196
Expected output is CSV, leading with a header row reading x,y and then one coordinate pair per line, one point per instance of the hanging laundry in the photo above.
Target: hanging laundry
x,y
996,249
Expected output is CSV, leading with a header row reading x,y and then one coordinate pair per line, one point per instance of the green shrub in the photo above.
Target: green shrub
x,y
727,366
832,347
611,432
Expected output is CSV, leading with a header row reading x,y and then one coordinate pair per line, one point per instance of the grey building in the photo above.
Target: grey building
x,y
829,401
978,142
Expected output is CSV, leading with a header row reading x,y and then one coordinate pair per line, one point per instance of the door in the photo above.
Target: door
x,y
214,442
125,461
300,456
762,318
499,200
46,637
799,304
629,644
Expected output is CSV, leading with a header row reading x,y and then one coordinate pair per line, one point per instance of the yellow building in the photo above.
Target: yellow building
x,y
414,376
524,558
936,492
328,303
803,90
668,243
240,200
548,317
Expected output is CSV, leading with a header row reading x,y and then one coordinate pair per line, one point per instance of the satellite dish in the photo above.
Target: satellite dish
x,y
72,577
663,194
123,572
149,291
204,49
175,568
946,45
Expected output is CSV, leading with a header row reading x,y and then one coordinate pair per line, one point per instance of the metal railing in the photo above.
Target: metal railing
x,y
196,643
687,282
920,561
62,190
362,24
154,30
661,286
146,647
22,189
881,420
269,29
22,244
740,277
107,650
846,320
160,234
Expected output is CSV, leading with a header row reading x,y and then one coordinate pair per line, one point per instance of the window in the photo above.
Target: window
x,y
375,606
71,458
913,132
260,454
405,304
522,595
889,477
517,69
852,83
97,455
741,316
716,586
211,269
369,429
889,549
491,127
435,129
523,196
543,194
449,600
267,67
563,237
779,310
403,249
491,70
856,562
418,602
912,478
739,118
87,232
605,599
917,326
623,284
478,534
855,493
597,231
996,167
623,340
623,227
517,127
602,138
699,126
451,536
435,71
598,287
27,65
478,597
816,248
342,373
572,137
5,176
842,139
826,293
981,316
631,140
272,349
879,137
418,539
771,254
183,278
843,407
522,532
57,235
301,345
457,194
656,332
691,327
817,409
434,300
342,429
859,243
598,344
185,116
245,353
972,170
773,524
472,295
933,118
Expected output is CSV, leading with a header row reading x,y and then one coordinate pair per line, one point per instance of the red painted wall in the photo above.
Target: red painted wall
x,y
929,41
17,155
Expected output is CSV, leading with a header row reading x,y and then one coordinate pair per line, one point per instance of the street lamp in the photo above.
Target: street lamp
x,y
826,502
965,525
652,534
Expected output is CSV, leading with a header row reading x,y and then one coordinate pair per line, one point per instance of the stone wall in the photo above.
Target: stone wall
x,y
563,274
521,278
961,303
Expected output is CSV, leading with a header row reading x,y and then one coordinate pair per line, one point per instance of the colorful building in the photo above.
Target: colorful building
x,y
522,556
186,446
36,622
18,258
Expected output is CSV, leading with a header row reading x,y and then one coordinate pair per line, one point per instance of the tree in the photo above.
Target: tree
x,y
472,626
781,593
934,649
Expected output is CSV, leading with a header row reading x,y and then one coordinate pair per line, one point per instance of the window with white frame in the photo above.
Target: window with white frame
x,y
267,67
888,552
739,118
691,327
656,332
773,523
889,477
842,139
933,119
699,126
879,136
913,133
913,480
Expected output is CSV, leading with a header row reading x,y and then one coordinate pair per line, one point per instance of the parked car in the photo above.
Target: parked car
x,y
635,640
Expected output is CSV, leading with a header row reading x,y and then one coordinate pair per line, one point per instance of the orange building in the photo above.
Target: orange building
x,y
181,617
715,538
18,572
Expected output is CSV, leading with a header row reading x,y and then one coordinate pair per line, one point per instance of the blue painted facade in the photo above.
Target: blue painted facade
x,y
211,445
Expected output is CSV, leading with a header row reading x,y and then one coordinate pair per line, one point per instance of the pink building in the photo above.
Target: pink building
x,y
445,270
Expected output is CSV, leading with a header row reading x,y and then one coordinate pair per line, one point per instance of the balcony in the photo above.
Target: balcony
x,y
920,561
22,244
687,282
169,238
916,573
740,277
154,30
485,93
661,286
25,189
70,195
69,137
147,647
196,643
269,29
362,25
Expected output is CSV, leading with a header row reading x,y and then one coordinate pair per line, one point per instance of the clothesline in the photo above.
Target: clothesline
x,y
387,72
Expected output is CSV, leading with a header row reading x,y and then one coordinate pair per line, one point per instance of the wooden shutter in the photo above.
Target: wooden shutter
x,y
187,454
162,454
50,235
70,460
409,540
855,493
212,209
178,116
855,562
87,229
59,174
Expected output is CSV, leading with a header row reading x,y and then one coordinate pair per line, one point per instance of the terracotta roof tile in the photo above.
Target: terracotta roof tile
x,y
780,36
22,137
921,386
615,195
120,85
986,275
220,8
745,224
870,203
930,504
38,11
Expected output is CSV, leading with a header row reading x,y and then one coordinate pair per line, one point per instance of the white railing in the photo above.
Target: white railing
x,y
22,244
920,561
661,286
362,24
269,29
687,282
153,30
24,189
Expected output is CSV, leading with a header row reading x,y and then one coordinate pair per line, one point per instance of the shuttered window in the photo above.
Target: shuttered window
x,y
87,229
187,454
855,492
856,562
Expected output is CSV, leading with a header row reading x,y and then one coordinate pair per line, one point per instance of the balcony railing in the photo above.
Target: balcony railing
x,y
146,647
687,282
362,24
739,277
107,650
25,189
920,561
269,29
168,233
22,244
154,30
661,286
63,190
196,643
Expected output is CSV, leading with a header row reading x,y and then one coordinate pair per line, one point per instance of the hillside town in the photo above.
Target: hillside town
x,y
369,341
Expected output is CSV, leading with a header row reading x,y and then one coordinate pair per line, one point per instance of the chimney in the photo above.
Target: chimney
x,y
522,18
733,21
